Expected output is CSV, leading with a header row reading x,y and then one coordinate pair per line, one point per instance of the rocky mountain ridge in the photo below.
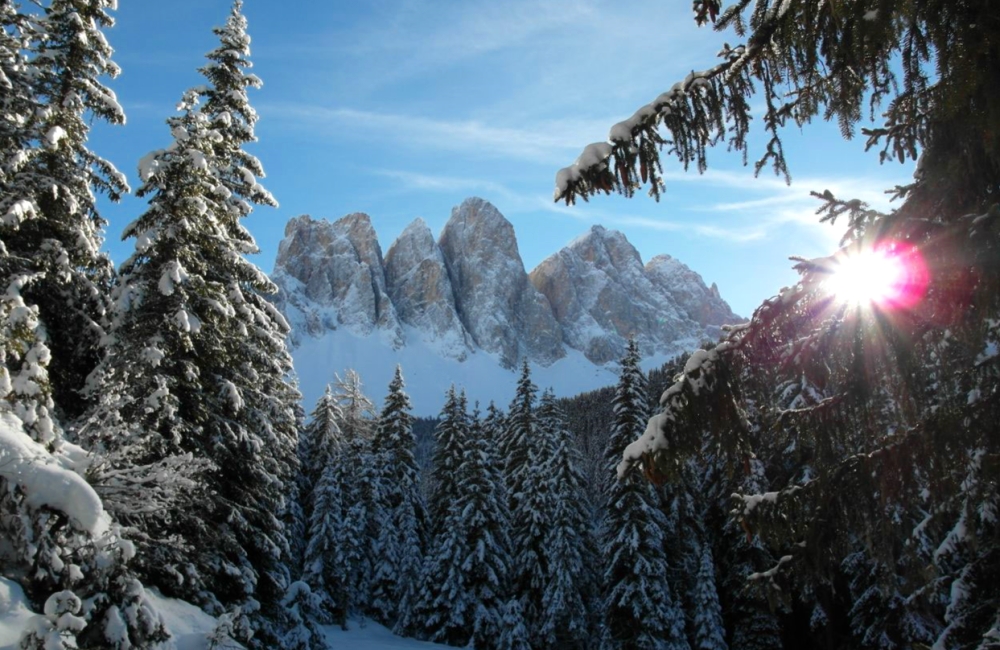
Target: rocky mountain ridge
x,y
468,292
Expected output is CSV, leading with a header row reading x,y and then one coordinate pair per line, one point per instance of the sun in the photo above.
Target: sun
x,y
886,276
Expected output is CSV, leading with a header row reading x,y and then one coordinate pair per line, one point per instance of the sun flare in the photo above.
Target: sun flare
x,y
887,276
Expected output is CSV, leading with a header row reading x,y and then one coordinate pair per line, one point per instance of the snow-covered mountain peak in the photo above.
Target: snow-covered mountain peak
x,y
497,304
332,275
606,247
701,303
420,289
462,308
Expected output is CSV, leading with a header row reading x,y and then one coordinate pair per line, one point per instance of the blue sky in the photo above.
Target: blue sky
x,y
402,108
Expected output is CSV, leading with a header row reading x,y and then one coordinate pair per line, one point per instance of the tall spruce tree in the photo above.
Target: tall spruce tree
x,y
196,355
319,569
568,550
398,509
519,434
321,450
639,608
320,443
353,560
909,383
528,497
464,582
708,631
451,437
51,227
71,561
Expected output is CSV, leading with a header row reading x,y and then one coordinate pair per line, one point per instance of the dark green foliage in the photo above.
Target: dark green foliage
x,y
465,579
638,607
519,434
869,431
55,236
398,509
451,438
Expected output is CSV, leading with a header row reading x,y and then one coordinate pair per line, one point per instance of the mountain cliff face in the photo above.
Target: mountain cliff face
x,y
420,289
334,275
467,295
701,304
601,295
499,307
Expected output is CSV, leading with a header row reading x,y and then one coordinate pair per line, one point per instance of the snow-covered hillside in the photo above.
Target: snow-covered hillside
x,y
462,310
189,626
428,373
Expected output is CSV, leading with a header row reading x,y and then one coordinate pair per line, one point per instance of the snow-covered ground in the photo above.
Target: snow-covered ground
x,y
428,374
14,613
372,637
189,625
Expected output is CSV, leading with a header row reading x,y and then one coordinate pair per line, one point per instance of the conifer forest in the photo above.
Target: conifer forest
x,y
825,475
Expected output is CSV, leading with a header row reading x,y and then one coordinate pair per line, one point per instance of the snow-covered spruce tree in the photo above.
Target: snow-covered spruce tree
x,y
708,632
320,442
451,435
60,544
519,433
463,588
924,71
325,523
320,494
483,509
294,517
196,354
305,611
513,632
354,560
350,566
18,103
529,498
398,509
50,224
639,609
494,429
568,549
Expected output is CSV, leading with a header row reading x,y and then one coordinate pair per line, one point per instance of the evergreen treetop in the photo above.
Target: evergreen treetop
x,y
196,359
639,608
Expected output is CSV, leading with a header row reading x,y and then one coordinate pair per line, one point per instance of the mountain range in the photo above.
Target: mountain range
x,y
462,308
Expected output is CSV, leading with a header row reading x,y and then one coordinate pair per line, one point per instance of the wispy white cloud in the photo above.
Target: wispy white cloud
x,y
438,183
735,235
548,142
739,222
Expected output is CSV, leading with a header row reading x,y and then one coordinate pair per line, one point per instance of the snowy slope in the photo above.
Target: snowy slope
x,y
189,625
372,637
428,374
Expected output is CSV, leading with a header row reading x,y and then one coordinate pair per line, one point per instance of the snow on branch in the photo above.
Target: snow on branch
x,y
45,481
688,103
801,59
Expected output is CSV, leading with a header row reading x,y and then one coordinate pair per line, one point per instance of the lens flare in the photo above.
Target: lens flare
x,y
890,275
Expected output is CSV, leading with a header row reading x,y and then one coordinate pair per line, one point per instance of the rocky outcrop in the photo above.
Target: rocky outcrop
x,y
496,303
700,303
601,296
420,290
333,274
469,290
